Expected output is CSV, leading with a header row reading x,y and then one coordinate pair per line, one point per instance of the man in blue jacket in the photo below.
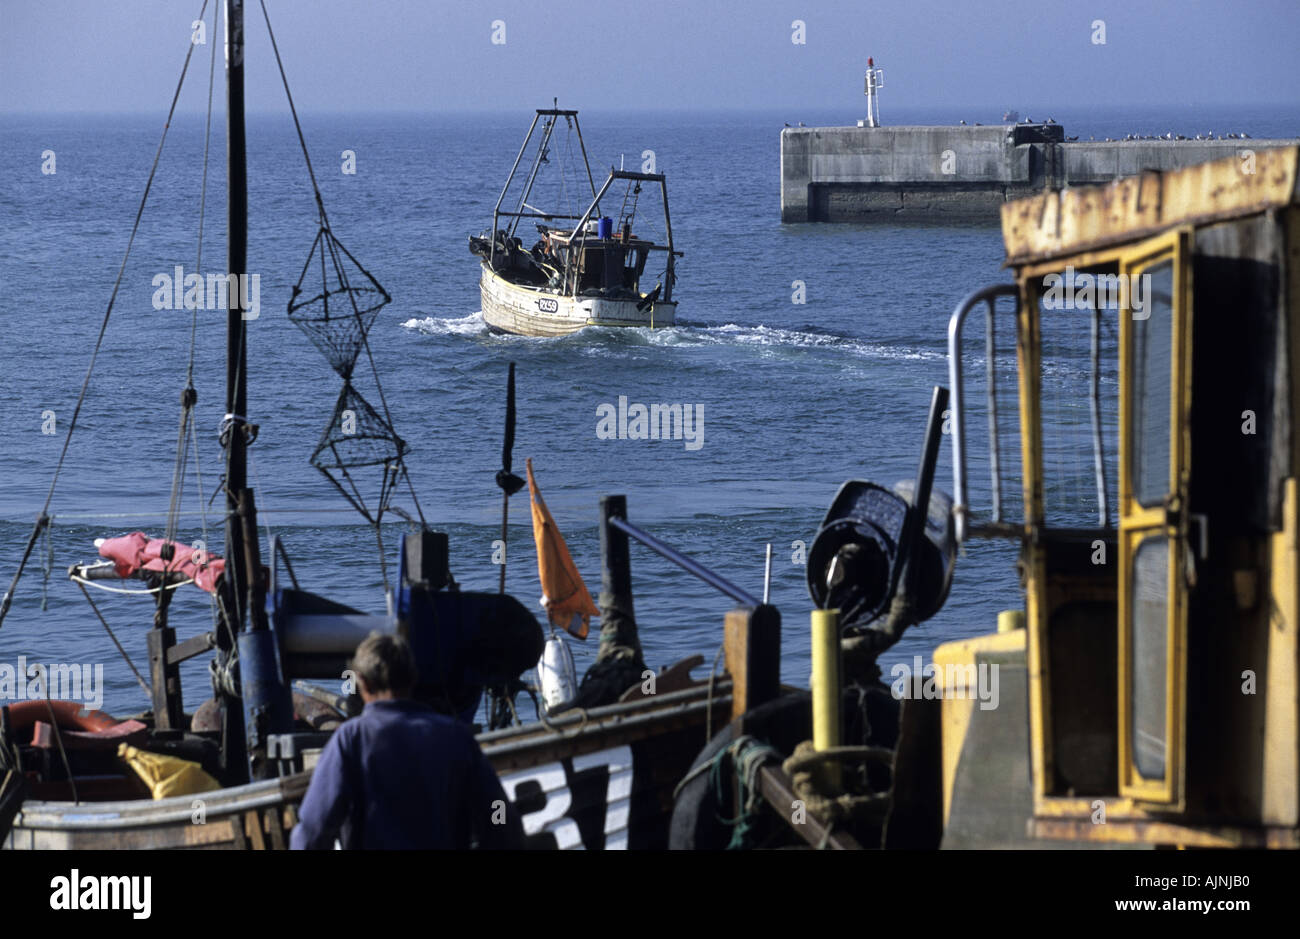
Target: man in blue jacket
x,y
400,775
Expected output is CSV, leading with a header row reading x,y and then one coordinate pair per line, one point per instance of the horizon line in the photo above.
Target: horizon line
x,y
650,109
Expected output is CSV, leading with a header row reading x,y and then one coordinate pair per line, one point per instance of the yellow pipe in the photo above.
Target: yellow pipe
x,y
1011,620
826,686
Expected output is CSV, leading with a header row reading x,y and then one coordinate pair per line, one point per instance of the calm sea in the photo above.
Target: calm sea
x,y
796,397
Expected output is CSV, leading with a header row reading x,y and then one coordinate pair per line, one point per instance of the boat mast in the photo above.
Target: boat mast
x,y
496,212
265,707
234,751
236,442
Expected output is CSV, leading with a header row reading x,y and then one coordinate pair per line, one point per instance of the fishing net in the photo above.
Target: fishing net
x,y
335,302
357,436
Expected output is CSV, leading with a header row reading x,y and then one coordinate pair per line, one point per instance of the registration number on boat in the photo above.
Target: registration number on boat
x,y
547,305
545,796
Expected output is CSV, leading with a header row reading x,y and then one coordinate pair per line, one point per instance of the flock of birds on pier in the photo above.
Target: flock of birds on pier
x,y
1206,136
1209,135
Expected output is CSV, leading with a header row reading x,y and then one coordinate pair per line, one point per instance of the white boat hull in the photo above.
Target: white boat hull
x,y
531,311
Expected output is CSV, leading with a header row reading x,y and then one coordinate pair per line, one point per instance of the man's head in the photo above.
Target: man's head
x,y
384,667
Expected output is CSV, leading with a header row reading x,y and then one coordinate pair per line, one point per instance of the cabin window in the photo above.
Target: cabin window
x,y
1155,367
1078,387
1149,610
1152,384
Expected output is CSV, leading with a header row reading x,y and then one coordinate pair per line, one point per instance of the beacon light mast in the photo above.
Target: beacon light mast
x,y
875,79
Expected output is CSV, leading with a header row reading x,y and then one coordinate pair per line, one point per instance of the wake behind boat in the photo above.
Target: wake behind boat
x,y
587,275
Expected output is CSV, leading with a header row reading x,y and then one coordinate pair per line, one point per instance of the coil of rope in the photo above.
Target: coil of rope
x,y
829,804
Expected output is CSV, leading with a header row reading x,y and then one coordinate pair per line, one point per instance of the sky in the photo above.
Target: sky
x,y
429,56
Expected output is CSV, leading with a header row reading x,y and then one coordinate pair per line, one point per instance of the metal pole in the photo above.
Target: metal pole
x,y
995,448
670,274
914,524
826,686
496,211
547,130
687,564
234,740
236,327
505,534
586,216
506,479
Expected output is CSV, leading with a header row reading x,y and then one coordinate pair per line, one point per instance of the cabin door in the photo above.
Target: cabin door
x,y
1155,563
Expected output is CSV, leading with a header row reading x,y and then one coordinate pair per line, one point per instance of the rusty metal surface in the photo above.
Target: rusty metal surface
x,y
1067,221
1152,833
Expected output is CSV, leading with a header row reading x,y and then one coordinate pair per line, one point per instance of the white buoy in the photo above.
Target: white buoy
x,y
556,674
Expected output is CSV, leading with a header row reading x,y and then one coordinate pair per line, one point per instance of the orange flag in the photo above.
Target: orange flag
x,y
565,596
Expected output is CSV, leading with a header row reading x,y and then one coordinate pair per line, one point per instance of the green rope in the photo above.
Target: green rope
x,y
747,755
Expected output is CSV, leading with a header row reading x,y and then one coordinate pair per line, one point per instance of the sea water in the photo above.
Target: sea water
x,y
808,351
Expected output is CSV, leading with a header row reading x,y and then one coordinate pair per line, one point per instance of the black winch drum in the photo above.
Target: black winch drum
x,y
862,528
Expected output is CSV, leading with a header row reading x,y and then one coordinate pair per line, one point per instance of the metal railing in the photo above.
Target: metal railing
x,y
961,497
615,516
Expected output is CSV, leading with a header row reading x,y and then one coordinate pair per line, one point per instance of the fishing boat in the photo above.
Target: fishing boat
x,y
585,268
596,769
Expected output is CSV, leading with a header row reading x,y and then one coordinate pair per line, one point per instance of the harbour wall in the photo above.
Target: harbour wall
x,y
845,174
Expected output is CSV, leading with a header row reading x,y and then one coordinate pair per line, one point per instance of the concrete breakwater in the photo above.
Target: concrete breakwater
x,y
846,174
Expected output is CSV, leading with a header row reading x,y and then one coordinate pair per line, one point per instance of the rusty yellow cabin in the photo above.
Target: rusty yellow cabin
x,y
1125,415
